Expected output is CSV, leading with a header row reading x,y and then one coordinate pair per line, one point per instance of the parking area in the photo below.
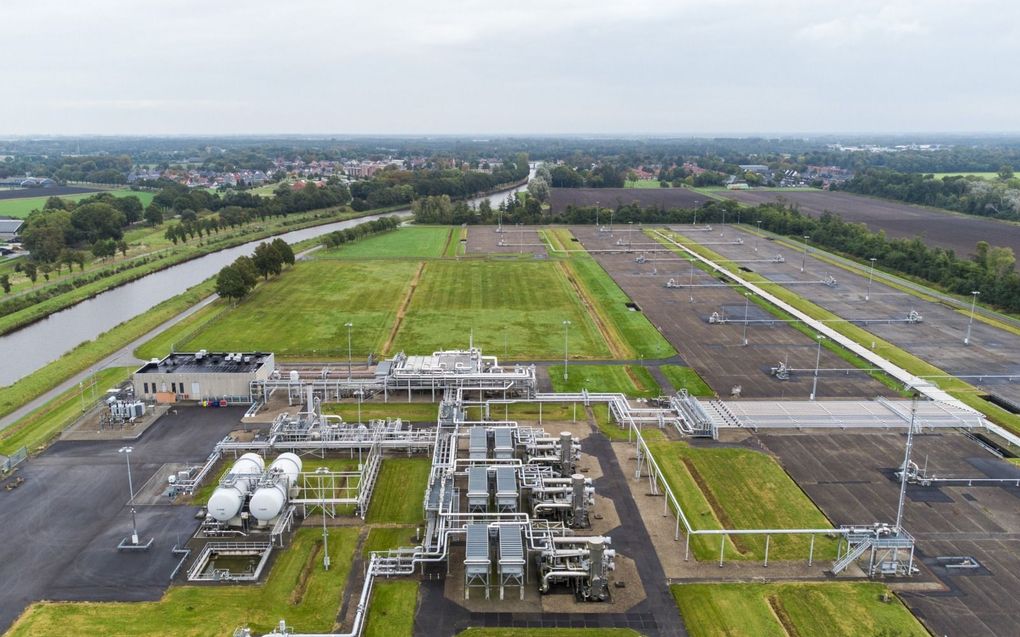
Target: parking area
x,y
717,351
505,240
60,528
850,476
939,339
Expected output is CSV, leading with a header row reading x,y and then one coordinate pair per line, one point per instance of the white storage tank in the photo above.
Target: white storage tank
x,y
269,502
227,500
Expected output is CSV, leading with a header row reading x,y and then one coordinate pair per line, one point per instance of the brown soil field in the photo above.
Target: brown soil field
x,y
948,230
52,191
613,197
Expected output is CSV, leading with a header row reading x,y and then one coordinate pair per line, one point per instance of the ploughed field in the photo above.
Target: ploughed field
x,y
613,197
939,228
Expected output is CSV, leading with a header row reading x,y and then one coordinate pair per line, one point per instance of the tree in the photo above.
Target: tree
x,y
5,282
1005,172
131,206
123,247
154,214
104,248
95,221
45,268
539,189
79,258
31,271
231,283
286,252
267,260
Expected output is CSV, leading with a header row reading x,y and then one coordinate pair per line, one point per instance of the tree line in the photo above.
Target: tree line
x,y
998,198
236,280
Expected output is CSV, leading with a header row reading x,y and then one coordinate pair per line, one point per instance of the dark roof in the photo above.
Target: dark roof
x,y
209,363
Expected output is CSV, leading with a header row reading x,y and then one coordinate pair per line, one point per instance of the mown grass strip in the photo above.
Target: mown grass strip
x,y
399,493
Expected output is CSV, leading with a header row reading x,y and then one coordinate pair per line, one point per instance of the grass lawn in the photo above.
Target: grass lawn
x,y
550,412
406,241
399,491
639,336
391,610
740,489
161,344
687,378
384,538
983,175
303,311
832,609
414,412
632,380
22,206
522,302
297,590
37,428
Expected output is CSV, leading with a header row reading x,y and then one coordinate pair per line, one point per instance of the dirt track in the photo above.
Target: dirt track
x,y
957,232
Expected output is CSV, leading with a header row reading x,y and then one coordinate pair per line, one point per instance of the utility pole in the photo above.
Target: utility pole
x,y
803,259
818,360
596,216
871,277
566,342
690,286
349,325
973,302
757,237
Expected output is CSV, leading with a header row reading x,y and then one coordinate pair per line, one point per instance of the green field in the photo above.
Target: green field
x,y
639,337
21,207
37,428
740,489
524,303
835,609
297,590
687,378
983,175
406,241
632,380
384,538
642,183
391,609
303,311
399,494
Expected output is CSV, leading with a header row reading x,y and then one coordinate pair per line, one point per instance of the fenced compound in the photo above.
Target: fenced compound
x,y
8,463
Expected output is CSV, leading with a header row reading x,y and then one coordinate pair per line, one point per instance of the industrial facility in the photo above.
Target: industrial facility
x,y
202,375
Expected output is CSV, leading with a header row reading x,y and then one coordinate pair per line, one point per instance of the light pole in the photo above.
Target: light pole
x,y
349,325
630,235
803,258
818,360
690,286
757,237
747,300
520,236
566,343
127,456
871,277
611,211
596,216
973,302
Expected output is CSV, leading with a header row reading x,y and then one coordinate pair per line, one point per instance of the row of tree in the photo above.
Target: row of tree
x,y
971,195
236,280
339,237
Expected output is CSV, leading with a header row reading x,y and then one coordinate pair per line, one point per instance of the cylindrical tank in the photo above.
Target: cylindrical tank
x,y
288,465
268,502
226,501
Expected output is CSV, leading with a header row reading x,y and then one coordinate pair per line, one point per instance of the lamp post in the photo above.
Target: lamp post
x,y
803,258
611,211
566,343
747,300
630,235
349,325
520,236
690,286
596,215
757,237
127,456
818,360
973,302
871,277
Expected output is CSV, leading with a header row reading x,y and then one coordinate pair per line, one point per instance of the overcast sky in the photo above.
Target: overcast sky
x,y
508,67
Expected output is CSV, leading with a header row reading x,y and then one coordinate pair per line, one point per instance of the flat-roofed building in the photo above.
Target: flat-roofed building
x,y
203,375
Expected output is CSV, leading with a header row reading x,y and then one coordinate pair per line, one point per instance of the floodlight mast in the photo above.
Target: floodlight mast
x,y
818,360
566,332
970,322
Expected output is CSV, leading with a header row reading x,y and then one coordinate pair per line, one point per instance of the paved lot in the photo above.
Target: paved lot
x,y
62,525
850,477
938,340
513,240
716,350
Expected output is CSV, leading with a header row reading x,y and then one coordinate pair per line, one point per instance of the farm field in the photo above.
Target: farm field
x,y
521,305
303,311
21,206
982,175
778,610
642,183
740,489
198,611
404,242
955,231
560,198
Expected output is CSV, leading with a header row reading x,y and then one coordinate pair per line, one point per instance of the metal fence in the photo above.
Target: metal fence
x,y
8,464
